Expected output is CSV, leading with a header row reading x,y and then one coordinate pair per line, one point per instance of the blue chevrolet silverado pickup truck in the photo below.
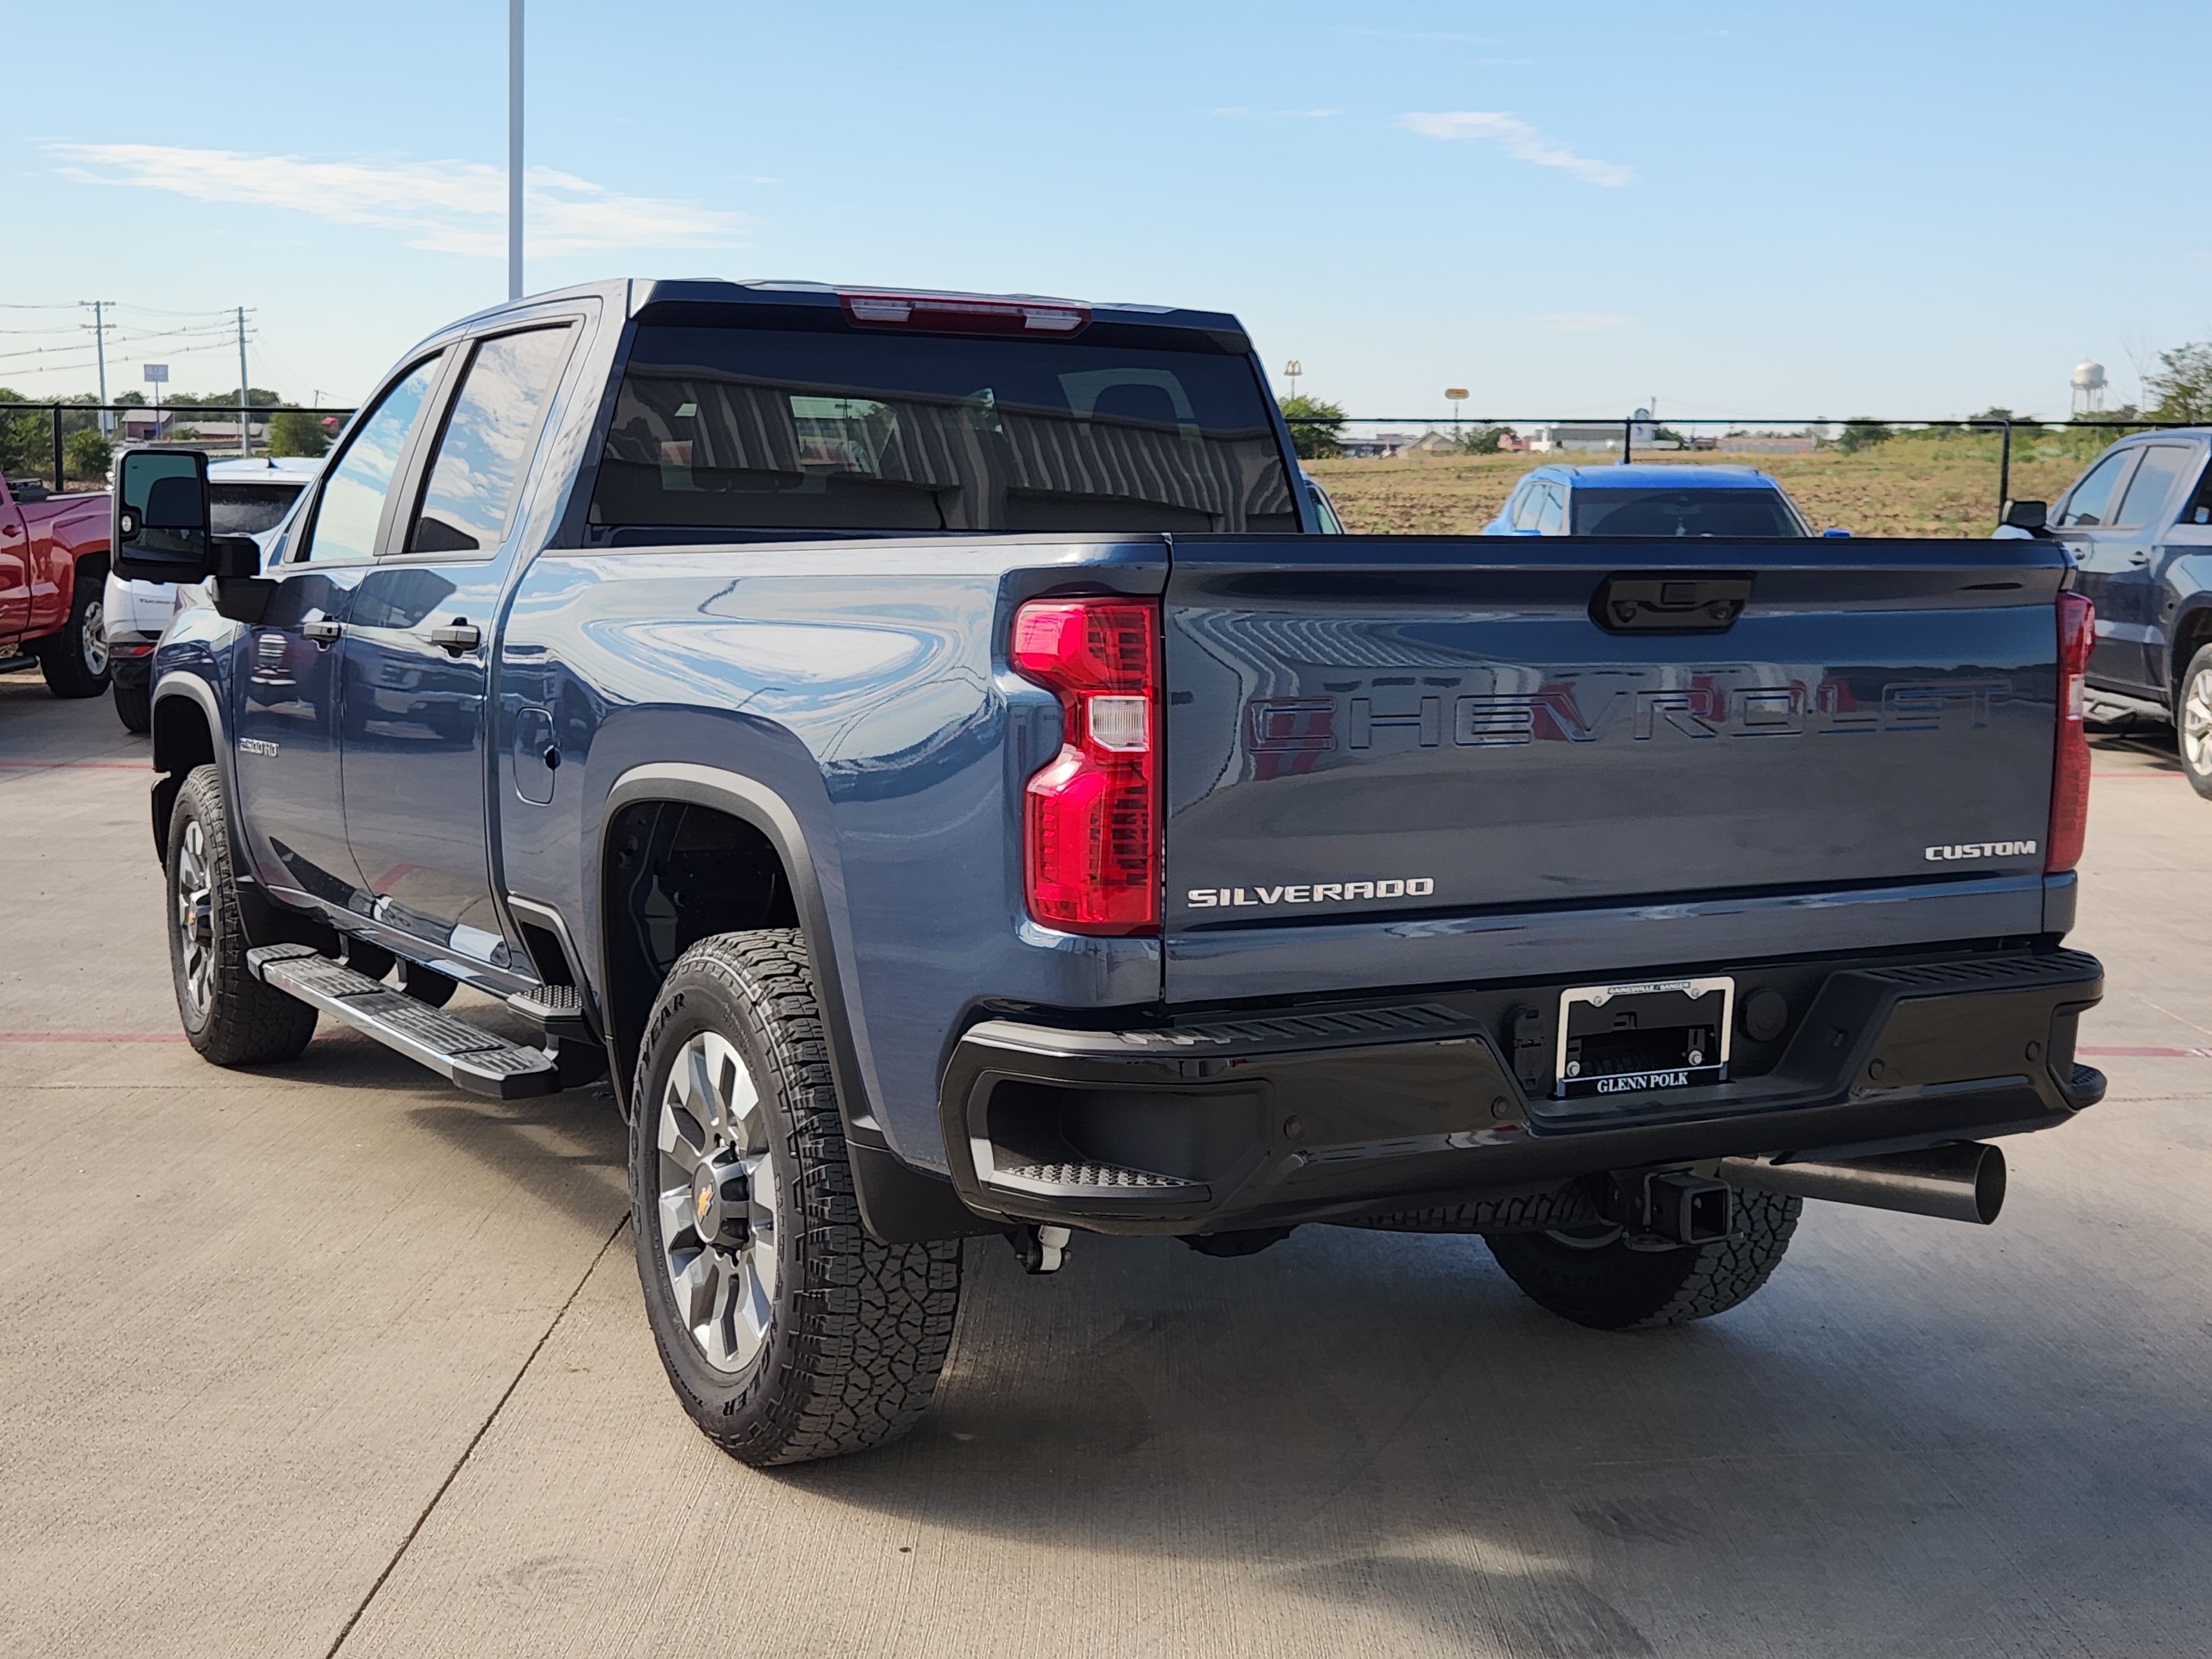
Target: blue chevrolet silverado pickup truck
x,y
924,749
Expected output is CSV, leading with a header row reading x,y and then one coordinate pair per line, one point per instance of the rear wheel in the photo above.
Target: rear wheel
x,y
232,1017
2192,721
788,1332
134,706
75,660
1592,1276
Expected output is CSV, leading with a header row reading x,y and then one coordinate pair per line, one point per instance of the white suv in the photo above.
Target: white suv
x,y
244,498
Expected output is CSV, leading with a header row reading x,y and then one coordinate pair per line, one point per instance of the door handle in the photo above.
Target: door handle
x,y
456,636
322,630
2139,557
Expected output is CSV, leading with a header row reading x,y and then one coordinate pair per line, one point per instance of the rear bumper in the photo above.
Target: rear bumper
x,y
1334,1113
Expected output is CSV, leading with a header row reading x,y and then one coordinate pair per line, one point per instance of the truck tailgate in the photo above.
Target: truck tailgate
x,y
1370,729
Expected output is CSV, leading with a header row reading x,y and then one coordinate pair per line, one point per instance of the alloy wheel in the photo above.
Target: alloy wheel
x,y
717,1201
2197,723
195,917
93,642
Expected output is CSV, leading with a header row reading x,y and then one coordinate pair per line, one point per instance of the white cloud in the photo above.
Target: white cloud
x,y
1577,322
445,207
1522,142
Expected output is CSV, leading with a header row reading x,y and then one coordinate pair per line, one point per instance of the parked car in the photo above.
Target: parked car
x,y
1331,524
1559,500
244,498
2138,523
53,557
984,802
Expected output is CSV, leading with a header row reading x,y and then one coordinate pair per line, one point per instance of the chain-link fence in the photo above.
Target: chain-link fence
x,y
1726,439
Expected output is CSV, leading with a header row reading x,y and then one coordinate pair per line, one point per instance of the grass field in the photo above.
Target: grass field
x,y
1907,487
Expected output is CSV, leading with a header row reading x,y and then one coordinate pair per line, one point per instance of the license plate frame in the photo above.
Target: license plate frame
x,y
1582,1069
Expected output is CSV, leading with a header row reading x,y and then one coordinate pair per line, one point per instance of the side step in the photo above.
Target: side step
x,y
468,1058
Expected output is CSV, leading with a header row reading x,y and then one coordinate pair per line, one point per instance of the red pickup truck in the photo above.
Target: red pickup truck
x,y
53,566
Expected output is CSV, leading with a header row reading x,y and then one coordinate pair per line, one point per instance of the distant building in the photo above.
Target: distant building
x,y
1556,437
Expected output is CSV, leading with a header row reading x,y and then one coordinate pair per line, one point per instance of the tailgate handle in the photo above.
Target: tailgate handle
x,y
1669,605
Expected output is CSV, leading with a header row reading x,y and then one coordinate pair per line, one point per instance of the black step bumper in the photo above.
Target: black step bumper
x,y
1334,1113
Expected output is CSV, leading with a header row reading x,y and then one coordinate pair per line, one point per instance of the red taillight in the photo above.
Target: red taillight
x,y
2069,771
1090,822
963,313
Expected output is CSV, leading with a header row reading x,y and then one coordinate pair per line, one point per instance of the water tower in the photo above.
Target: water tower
x,y
2088,388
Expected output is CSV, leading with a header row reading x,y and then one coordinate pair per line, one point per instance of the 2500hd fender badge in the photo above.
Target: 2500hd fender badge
x,y
1321,892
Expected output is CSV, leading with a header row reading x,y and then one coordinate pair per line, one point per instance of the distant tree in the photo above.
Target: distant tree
x,y
1316,427
183,435
1483,440
133,399
1862,432
85,454
295,432
2182,383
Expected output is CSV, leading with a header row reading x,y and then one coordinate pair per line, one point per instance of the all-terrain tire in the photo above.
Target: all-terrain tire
x,y
75,660
134,706
841,1351
2192,721
1605,1285
231,1018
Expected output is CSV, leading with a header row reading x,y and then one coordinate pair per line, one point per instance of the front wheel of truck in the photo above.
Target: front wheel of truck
x,y
788,1332
231,1018
1593,1276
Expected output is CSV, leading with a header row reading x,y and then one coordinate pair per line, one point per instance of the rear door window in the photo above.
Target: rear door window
x,y
2089,505
1525,506
2155,475
485,447
1551,517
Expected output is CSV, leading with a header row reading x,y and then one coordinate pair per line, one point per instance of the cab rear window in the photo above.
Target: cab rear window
x,y
247,509
1682,513
758,429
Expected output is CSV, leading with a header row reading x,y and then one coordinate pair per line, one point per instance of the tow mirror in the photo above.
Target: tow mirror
x,y
159,516
2034,516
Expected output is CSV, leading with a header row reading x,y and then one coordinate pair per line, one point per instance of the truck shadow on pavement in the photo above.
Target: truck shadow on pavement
x,y
1380,1422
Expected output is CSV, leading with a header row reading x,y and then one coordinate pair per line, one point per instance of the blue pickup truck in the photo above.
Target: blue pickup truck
x,y
924,749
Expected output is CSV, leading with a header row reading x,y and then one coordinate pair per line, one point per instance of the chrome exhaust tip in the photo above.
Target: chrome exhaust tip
x,y
1962,1182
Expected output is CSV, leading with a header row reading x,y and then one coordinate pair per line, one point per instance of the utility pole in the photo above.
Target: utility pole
x,y
514,149
99,350
245,413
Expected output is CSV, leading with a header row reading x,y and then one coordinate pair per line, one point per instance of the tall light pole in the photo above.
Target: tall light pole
x,y
514,149
244,408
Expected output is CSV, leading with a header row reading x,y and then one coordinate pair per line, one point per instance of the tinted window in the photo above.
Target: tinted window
x,y
1551,515
2199,510
767,428
486,444
2086,505
2153,481
354,490
1682,513
247,509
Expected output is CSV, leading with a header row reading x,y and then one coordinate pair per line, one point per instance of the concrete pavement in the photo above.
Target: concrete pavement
x,y
326,1355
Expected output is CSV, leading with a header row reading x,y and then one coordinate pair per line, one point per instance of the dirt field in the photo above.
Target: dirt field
x,y
1907,486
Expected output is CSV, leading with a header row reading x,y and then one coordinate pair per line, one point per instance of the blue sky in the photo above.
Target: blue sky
x,y
1736,209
